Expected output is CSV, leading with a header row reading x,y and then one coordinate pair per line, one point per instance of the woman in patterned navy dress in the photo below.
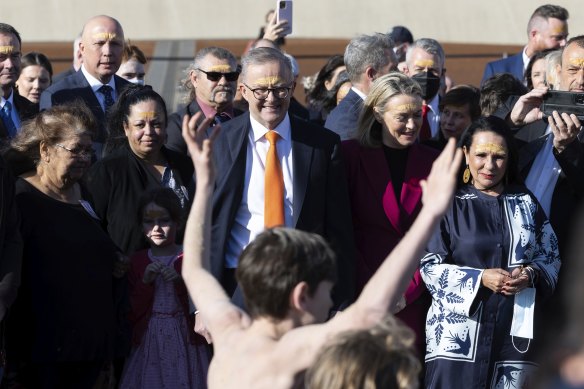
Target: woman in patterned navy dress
x,y
494,253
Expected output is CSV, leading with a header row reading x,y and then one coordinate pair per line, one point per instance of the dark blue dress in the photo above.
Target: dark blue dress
x,y
468,326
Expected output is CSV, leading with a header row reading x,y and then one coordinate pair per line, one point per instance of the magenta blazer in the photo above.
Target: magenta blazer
x,y
380,220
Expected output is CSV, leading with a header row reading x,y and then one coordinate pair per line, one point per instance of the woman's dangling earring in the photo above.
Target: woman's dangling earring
x,y
466,175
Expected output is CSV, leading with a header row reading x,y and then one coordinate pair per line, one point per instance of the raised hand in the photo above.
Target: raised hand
x,y
440,185
200,146
526,109
274,30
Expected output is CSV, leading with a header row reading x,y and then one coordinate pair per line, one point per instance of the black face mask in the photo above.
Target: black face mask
x,y
429,83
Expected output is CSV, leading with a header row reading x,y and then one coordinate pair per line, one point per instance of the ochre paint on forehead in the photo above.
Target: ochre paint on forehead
x,y
220,68
155,213
6,49
576,61
106,36
147,115
424,63
492,148
269,81
560,30
407,107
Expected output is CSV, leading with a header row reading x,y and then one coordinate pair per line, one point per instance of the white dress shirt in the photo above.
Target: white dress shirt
x,y
13,110
249,220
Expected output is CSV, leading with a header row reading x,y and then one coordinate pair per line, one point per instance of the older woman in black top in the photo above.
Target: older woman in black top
x,y
61,328
137,161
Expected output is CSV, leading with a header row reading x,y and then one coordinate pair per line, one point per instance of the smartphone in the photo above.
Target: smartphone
x,y
568,102
284,12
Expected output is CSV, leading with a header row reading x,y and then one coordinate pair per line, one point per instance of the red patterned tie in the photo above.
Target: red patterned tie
x,y
425,132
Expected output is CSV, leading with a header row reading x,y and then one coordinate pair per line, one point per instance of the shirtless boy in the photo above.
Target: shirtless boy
x,y
272,348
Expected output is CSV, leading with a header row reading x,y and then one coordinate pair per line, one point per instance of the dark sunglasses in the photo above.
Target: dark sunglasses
x,y
216,76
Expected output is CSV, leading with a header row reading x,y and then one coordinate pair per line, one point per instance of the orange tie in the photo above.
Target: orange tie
x,y
274,185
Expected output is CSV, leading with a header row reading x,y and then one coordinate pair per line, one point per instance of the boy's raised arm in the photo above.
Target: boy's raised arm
x,y
207,293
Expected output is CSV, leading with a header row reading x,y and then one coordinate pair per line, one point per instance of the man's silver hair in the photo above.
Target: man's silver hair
x,y
367,51
263,55
430,46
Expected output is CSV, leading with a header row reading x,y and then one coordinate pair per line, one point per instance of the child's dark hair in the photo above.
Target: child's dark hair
x,y
278,260
164,198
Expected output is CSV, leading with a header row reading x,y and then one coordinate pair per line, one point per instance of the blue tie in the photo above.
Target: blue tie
x,y
5,114
106,91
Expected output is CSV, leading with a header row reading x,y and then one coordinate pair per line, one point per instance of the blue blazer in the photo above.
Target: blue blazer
x,y
321,199
344,118
513,65
76,87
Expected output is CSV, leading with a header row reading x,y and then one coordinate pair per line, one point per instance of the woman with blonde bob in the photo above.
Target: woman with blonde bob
x,y
385,165
374,358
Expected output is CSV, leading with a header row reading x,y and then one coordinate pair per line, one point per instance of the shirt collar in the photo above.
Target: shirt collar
x,y
362,95
209,111
525,58
10,99
259,131
94,82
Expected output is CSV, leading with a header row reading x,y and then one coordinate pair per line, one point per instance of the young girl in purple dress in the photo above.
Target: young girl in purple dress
x,y
166,351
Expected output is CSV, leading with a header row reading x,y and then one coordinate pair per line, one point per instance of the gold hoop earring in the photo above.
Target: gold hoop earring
x,y
466,175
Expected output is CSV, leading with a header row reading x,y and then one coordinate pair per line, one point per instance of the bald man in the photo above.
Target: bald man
x,y
101,48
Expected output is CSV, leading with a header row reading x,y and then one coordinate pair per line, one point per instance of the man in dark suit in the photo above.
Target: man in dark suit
x,y
212,79
14,109
547,29
313,193
101,47
367,57
552,163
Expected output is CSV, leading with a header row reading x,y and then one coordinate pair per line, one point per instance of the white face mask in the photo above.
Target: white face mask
x,y
523,310
136,81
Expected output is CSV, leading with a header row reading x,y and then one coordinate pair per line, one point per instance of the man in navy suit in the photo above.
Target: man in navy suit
x,y
315,196
14,109
547,29
367,57
101,47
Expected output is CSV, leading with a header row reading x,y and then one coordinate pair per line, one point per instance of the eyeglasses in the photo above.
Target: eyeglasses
x,y
216,76
78,152
280,92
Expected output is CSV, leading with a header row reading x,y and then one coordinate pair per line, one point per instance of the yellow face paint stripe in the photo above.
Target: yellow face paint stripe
x,y
269,81
220,68
147,115
155,214
424,63
492,148
6,49
408,107
579,62
108,36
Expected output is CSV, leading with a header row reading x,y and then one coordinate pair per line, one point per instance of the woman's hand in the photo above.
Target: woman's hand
x,y
274,30
495,279
152,272
519,281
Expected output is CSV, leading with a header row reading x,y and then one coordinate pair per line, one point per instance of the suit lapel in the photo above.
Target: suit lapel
x,y
302,153
379,177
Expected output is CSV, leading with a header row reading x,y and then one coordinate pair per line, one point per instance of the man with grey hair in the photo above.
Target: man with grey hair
x,y
547,29
367,57
211,79
425,63
274,169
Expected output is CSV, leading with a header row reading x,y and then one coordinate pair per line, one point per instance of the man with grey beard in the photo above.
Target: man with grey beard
x,y
212,79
